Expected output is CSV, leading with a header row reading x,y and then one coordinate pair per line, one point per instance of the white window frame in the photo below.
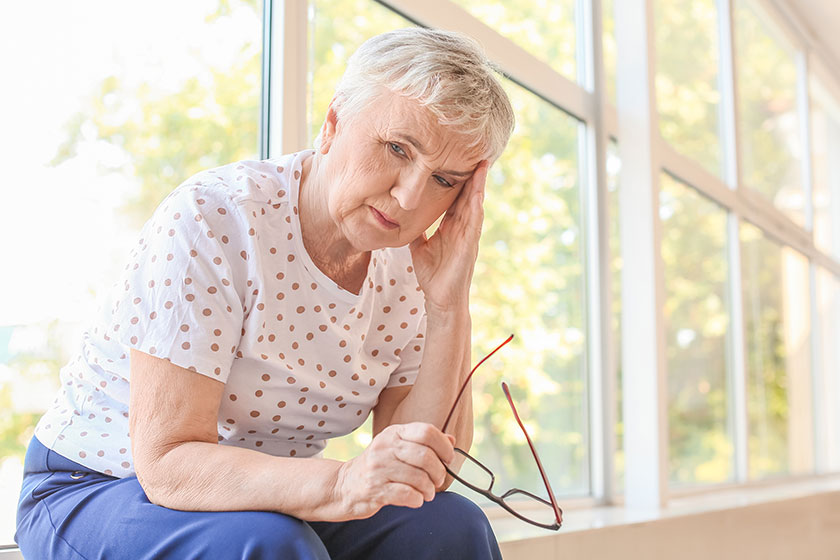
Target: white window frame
x,y
634,115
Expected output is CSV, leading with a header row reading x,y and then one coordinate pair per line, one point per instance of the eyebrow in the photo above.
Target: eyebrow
x,y
419,147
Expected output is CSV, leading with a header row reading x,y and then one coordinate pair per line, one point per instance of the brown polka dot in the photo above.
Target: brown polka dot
x,y
217,332
386,309
292,453
230,421
168,305
300,309
321,423
295,285
153,315
291,380
413,311
82,454
281,404
342,344
217,260
221,211
355,377
331,373
232,397
403,325
125,464
207,312
301,400
372,382
265,377
193,253
290,258
189,297
389,338
258,393
280,295
416,348
380,327
347,358
254,413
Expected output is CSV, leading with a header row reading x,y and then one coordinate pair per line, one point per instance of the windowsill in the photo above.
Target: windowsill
x,y
510,529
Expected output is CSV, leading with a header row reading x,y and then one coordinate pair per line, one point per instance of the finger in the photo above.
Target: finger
x,y
421,457
430,436
399,494
415,477
476,180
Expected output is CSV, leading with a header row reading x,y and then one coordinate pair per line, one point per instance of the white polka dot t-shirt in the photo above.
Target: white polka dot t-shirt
x,y
219,283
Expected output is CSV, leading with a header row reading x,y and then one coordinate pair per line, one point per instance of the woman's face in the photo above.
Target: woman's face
x,y
391,170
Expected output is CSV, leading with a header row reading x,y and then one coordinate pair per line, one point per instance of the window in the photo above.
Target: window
x,y
770,139
777,326
530,280
825,131
547,30
687,95
828,311
697,326
106,126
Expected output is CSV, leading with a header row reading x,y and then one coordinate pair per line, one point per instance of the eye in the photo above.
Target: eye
x,y
396,149
441,181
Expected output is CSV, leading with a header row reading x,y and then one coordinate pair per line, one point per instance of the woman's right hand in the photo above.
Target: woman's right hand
x,y
402,466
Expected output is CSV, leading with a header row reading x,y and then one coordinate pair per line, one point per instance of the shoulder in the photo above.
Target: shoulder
x,y
241,182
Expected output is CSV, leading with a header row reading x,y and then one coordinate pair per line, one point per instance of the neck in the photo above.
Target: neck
x,y
331,252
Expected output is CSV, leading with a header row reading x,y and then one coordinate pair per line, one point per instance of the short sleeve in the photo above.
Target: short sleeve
x,y
410,358
182,295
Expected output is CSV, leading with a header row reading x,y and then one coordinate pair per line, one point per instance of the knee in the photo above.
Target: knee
x,y
264,535
457,527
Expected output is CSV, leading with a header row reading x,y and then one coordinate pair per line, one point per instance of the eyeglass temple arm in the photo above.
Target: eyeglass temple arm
x,y
467,380
534,452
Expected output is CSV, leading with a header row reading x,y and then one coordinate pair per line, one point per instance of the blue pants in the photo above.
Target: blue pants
x,y
67,511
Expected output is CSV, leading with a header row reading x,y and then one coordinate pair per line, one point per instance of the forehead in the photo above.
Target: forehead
x,y
401,118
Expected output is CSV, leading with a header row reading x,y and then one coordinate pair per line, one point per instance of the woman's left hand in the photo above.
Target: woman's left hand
x,y
445,261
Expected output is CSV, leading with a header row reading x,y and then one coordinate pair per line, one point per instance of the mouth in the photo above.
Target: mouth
x,y
383,219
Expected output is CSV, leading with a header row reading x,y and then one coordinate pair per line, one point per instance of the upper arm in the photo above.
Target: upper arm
x,y
389,400
169,405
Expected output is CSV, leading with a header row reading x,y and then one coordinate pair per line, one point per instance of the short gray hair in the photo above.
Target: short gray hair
x,y
446,72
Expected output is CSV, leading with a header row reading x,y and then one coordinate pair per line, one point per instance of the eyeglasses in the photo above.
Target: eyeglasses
x,y
474,475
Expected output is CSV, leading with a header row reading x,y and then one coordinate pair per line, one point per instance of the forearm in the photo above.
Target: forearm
x,y
201,476
445,365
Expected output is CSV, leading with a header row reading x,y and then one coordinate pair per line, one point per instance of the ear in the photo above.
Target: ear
x,y
329,128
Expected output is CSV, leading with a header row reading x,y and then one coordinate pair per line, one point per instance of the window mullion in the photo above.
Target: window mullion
x,y
739,425
642,294
601,371
287,77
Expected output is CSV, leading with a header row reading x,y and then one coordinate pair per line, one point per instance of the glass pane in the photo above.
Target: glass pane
x,y
336,29
828,321
776,289
331,43
608,12
105,127
687,61
697,322
825,130
613,172
771,147
544,28
529,280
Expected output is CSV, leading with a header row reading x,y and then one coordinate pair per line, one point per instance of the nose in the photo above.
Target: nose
x,y
408,189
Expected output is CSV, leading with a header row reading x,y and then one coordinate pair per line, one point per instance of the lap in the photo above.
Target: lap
x,y
70,512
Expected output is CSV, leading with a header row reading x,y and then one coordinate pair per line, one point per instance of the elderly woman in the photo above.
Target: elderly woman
x,y
269,306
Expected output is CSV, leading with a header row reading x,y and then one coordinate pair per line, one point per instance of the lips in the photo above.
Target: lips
x,y
383,219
